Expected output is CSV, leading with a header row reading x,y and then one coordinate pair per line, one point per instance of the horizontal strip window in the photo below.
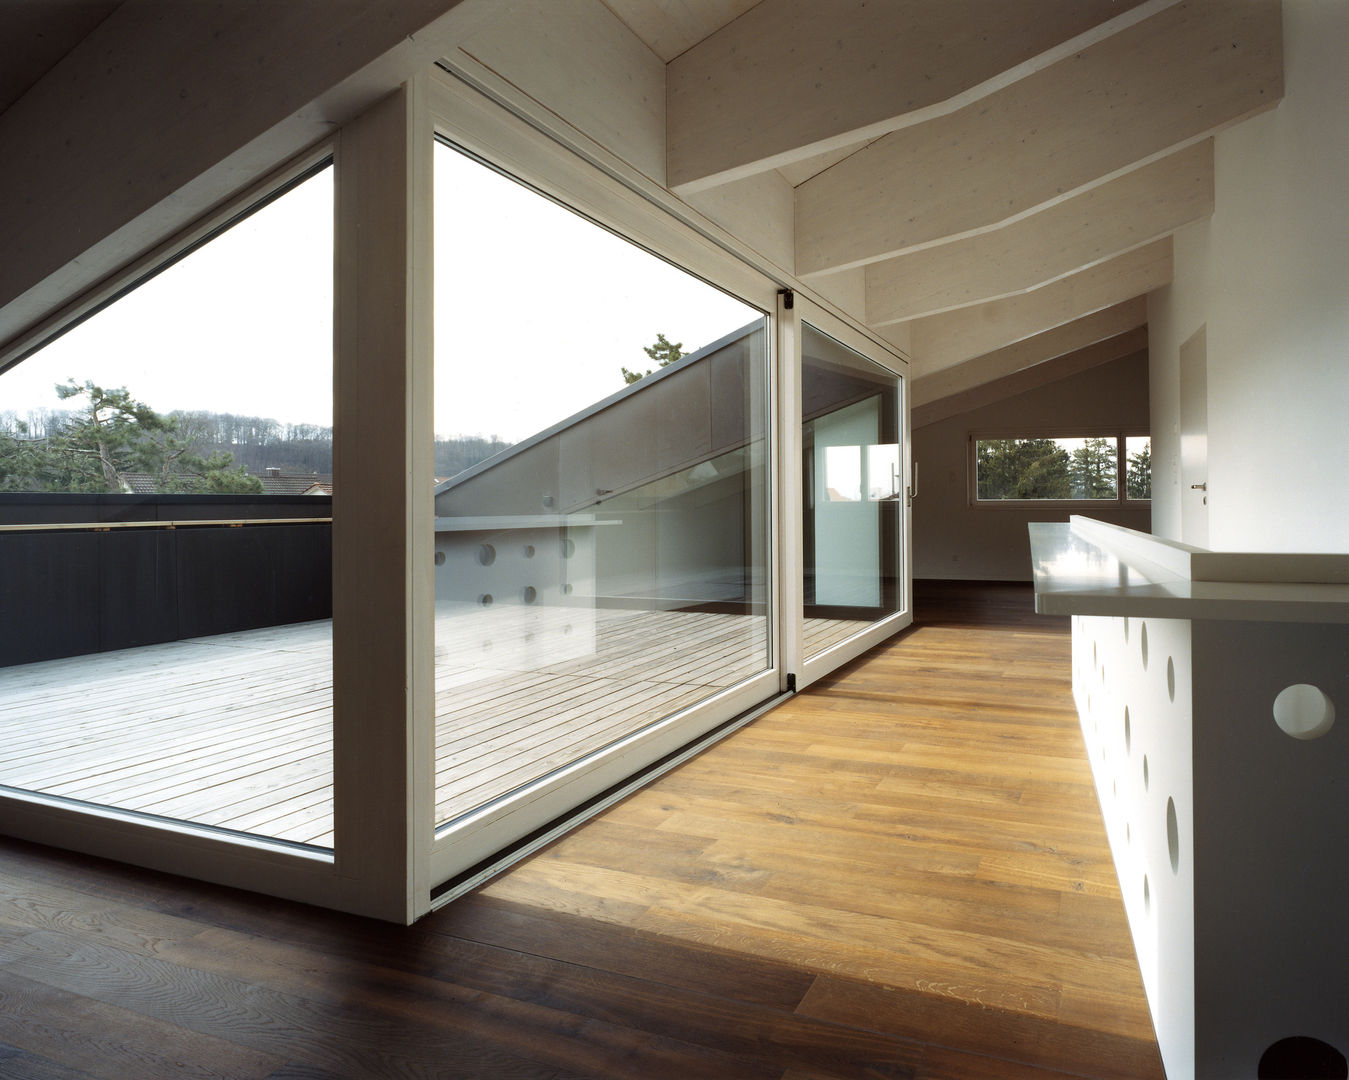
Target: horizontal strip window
x,y
1087,469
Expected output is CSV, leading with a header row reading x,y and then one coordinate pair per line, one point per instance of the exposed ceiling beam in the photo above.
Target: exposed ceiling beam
x,y
670,28
1030,378
1155,87
794,78
1070,337
943,340
1135,209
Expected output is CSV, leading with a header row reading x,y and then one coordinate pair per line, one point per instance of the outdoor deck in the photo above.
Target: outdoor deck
x,y
235,731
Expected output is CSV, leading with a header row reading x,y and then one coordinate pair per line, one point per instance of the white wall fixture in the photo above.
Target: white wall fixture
x,y
1225,831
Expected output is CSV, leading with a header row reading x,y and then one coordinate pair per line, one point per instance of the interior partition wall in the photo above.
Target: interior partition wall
x,y
627,572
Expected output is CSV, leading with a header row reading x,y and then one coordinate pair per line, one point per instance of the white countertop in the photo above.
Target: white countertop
x,y
1089,568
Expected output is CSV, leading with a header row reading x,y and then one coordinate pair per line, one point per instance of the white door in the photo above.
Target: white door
x,y
1194,439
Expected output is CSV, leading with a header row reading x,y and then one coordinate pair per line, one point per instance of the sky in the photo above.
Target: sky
x,y
536,311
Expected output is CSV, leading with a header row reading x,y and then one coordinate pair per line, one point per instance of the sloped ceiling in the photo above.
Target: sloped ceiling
x,y
978,174
972,179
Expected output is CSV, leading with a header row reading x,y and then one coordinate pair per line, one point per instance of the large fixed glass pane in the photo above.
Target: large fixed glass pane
x,y
602,513
165,557
852,488
1047,468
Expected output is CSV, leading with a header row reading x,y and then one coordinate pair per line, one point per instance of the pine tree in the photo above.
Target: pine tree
x,y
663,352
1138,479
1022,469
113,434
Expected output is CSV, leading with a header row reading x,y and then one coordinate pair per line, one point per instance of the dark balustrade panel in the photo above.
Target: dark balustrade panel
x,y
71,592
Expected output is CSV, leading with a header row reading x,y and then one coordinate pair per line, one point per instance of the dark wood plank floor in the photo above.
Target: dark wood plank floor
x,y
899,873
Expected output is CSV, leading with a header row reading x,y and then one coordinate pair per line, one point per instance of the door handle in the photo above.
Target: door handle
x,y
1199,487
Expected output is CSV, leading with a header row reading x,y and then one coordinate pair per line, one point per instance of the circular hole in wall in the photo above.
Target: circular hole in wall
x,y
529,594
1143,644
1302,1057
568,548
1173,835
1147,896
529,551
1303,711
485,599
566,588
487,555
1145,772
1170,679
440,558
1128,732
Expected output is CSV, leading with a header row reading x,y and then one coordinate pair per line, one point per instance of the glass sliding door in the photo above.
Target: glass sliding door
x,y
852,491
602,533
165,538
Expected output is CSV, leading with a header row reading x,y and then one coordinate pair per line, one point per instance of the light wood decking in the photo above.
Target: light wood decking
x,y
235,731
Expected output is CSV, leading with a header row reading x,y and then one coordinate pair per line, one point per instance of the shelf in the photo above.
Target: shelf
x,y
1087,567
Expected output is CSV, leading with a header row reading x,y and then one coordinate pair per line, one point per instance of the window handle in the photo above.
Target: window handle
x,y
913,488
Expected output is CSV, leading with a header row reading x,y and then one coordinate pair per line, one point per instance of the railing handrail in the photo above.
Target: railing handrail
x,y
108,526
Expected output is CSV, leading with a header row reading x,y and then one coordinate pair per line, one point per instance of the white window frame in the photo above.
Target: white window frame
x,y
469,120
807,669
1120,435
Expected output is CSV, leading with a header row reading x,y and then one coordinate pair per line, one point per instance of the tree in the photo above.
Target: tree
x,y
112,434
663,352
1138,478
1095,469
21,454
1022,469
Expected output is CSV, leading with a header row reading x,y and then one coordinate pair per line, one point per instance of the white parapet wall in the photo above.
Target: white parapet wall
x,y
1207,705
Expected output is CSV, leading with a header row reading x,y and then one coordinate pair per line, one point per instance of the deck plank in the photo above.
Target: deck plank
x,y
235,730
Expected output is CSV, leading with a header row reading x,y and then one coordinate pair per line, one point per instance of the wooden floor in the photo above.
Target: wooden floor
x,y
899,873
235,731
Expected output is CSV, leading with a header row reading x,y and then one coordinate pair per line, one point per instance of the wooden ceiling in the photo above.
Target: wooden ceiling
x,y
36,34
976,173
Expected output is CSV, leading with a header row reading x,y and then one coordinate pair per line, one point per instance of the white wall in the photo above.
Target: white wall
x,y
1269,275
952,539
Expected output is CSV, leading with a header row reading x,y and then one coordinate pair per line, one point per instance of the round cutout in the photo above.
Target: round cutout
x,y
1145,772
487,555
485,599
440,558
1143,644
1173,836
1302,1057
1128,732
1170,679
1304,711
